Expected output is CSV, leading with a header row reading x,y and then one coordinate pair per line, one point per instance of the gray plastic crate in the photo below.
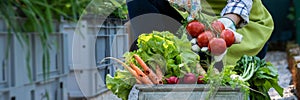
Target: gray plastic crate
x,y
51,87
104,37
22,93
38,91
112,40
3,61
14,75
19,71
72,86
85,83
56,51
4,96
120,45
186,92
68,29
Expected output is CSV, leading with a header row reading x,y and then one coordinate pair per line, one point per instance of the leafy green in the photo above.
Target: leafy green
x,y
227,78
176,51
214,80
121,84
251,73
262,76
265,78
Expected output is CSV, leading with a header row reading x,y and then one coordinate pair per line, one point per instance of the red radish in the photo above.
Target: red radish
x,y
228,36
218,26
217,46
203,38
189,78
172,80
200,79
195,28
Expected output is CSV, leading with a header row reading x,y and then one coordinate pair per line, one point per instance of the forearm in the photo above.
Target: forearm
x,y
238,11
234,17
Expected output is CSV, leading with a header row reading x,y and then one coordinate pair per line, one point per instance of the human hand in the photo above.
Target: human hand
x,y
229,24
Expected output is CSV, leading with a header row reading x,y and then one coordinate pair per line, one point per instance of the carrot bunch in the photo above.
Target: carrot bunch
x,y
147,76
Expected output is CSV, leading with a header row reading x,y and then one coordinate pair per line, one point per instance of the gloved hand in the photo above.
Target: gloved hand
x,y
228,24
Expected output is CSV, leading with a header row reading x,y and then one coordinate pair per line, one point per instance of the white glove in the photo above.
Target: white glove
x,y
229,24
220,57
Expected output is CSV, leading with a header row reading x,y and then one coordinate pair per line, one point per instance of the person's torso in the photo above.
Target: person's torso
x,y
213,7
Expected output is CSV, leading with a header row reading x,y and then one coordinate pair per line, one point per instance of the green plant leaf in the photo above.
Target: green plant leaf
x,y
121,84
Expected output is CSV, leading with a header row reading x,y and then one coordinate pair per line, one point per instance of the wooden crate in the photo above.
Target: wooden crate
x,y
297,80
292,50
293,57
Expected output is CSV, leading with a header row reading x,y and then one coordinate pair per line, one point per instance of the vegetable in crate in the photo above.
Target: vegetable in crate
x,y
189,78
120,84
172,80
260,75
165,55
175,51
255,76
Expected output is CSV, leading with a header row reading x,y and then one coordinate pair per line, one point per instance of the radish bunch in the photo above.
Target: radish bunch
x,y
214,37
189,78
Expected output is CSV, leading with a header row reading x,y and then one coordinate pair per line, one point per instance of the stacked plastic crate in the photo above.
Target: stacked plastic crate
x,y
4,82
74,53
90,40
21,68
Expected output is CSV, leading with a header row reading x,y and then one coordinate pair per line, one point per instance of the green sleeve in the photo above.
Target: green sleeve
x,y
255,34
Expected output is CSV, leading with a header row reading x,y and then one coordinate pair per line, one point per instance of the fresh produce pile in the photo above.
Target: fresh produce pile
x,y
163,58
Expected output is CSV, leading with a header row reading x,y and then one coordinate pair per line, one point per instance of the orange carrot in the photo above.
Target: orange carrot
x,y
142,63
142,76
147,70
123,64
137,70
159,74
138,81
132,71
